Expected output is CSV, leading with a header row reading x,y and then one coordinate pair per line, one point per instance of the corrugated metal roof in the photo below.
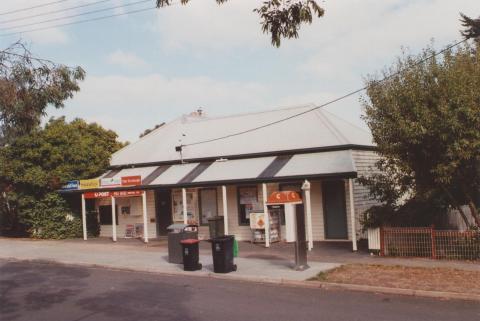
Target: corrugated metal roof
x,y
312,130
174,174
318,164
237,169
258,169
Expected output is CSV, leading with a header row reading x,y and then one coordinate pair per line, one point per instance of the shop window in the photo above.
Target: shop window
x,y
208,204
247,203
192,206
105,213
296,187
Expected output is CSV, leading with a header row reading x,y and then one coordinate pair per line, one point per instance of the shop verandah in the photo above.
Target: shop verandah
x,y
144,201
329,209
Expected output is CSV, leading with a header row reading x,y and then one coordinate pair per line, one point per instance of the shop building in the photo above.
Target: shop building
x,y
197,167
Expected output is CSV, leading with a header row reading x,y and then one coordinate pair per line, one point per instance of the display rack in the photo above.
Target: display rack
x,y
257,225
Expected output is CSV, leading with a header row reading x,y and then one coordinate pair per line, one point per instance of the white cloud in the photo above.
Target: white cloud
x,y
126,59
205,25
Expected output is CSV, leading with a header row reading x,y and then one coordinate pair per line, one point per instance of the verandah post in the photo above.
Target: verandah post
x,y
225,209
114,220
267,215
145,216
84,218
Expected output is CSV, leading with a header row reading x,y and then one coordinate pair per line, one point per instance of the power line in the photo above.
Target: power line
x,y
42,60
421,61
76,15
55,11
78,22
33,7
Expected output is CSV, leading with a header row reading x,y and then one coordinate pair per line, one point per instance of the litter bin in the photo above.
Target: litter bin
x,y
215,226
179,232
222,251
190,255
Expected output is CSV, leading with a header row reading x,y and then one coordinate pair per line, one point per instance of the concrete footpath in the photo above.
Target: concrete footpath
x,y
117,256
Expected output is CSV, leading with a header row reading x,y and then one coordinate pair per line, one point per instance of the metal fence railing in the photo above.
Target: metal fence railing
x,y
429,243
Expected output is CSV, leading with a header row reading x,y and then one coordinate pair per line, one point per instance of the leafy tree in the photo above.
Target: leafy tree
x,y
27,86
35,165
472,27
425,120
279,18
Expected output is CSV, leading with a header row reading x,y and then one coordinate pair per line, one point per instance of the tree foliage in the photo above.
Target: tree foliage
x,y
425,120
472,27
281,19
35,165
27,86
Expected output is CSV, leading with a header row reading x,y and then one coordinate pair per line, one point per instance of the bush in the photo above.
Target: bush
x,y
51,217
413,213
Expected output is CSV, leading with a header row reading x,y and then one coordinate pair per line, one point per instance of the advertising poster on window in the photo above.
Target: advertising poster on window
x,y
248,195
177,206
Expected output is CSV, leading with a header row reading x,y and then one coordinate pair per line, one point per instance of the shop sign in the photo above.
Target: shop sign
x,y
257,220
89,183
284,197
131,180
126,193
71,185
112,181
106,194
96,194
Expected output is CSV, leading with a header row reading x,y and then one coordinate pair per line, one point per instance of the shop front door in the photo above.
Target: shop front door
x,y
164,211
334,210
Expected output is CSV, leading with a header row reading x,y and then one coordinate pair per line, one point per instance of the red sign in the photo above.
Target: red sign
x,y
284,197
126,193
106,194
131,180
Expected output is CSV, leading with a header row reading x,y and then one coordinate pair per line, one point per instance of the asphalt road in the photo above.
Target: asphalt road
x,y
37,292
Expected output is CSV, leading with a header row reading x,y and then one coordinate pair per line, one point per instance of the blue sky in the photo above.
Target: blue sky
x,y
154,66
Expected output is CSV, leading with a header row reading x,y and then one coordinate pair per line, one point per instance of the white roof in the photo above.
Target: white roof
x,y
269,168
314,129
174,174
318,164
142,171
236,169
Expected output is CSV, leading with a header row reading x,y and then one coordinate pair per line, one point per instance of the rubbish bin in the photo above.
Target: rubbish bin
x,y
222,251
190,255
179,232
215,226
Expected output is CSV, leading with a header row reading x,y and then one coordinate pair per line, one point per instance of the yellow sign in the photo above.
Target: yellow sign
x,y
89,183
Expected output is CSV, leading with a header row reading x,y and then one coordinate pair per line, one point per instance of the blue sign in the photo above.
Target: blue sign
x,y
70,185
